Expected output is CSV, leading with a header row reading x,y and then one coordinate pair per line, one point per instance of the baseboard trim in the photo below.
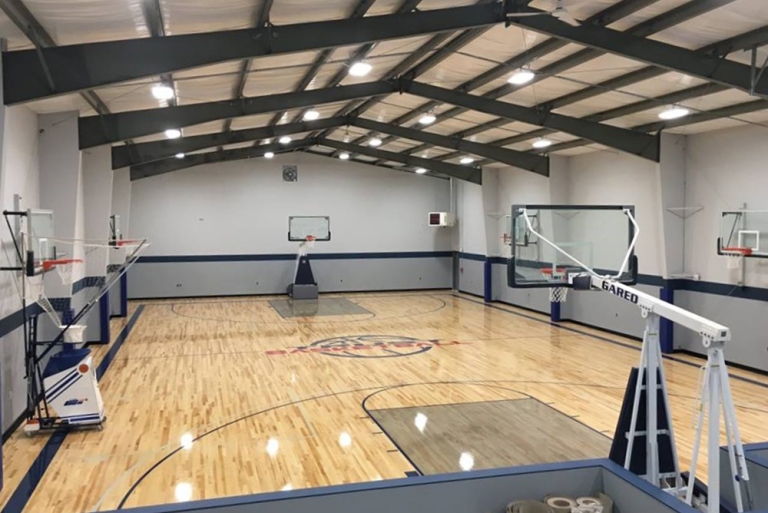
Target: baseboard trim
x,y
283,293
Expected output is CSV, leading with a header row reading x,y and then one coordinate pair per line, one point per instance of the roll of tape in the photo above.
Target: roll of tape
x,y
561,504
588,501
528,506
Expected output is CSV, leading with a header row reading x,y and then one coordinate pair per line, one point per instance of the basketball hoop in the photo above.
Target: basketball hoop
x,y
734,256
63,268
556,294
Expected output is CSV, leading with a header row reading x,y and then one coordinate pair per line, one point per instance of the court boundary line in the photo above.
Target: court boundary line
x,y
34,475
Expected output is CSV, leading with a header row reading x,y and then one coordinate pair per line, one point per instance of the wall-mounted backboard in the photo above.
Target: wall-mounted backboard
x,y
590,236
301,227
744,230
40,237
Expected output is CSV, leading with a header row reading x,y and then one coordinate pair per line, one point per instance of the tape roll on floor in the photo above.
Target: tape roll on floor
x,y
561,504
528,507
588,501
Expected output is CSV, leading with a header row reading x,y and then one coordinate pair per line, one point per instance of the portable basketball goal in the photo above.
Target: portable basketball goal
x,y
61,280
715,393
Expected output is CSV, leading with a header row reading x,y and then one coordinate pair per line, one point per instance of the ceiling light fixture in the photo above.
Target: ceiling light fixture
x,y
311,115
427,119
375,141
173,133
542,143
521,77
674,112
269,155
163,92
420,170
360,69
285,139
466,160
344,156
180,155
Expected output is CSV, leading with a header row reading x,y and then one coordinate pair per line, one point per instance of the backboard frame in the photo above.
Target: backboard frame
x,y
741,234
293,238
516,218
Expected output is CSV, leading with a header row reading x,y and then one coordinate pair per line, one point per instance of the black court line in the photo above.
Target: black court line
x,y
603,339
34,475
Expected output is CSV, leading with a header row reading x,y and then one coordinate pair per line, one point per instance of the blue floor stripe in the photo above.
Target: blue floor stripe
x,y
34,475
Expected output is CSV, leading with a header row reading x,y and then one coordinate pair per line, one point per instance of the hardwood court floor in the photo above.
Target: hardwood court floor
x,y
219,397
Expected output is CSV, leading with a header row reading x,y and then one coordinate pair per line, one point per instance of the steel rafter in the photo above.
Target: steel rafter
x,y
74,68
169,165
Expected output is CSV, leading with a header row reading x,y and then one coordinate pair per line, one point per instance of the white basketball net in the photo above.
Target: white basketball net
x,y
733,259
556,294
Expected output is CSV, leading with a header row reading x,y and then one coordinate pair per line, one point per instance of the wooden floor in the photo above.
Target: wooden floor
x,y
221,397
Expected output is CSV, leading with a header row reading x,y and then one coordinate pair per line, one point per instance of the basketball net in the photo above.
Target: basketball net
x,y
556,294
735,256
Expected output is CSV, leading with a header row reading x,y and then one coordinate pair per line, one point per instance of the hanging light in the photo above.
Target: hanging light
x,y
285,139
466,160
311,115
173,133
542,143
180,155
374,141
269,155
420,171
522,76
360,69
428,118
344,156
674,112
163,92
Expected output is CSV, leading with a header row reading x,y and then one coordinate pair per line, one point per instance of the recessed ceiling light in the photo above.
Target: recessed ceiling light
x,y
180,155
344,156
311,115
466,160
542,143
173,133
427,119
360,69
521,77
674,113
375,141
285,139
269,155
163,92
420,170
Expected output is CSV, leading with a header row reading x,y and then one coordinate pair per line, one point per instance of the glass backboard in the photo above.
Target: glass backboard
x,y
597,237
744,229
40,237
301,227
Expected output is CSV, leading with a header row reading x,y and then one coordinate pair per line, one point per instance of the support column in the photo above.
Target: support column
x,y
121,206
558,195
97,193
494,228
672,239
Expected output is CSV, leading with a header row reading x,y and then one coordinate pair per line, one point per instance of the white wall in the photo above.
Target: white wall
x,y
19,175
243,208
725,170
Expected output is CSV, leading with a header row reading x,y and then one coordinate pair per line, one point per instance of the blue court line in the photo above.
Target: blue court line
x,y
603,339
34,475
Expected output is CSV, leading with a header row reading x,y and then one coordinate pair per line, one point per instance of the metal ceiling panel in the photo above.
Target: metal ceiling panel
x,y
193,16
301,11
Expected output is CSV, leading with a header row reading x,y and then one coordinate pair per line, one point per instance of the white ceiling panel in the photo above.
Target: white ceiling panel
x,y
287,61
663,84
86,21
191,16
654,9
202,90
70,102
225,70
608,100
204,128
289,12
15,38
245,122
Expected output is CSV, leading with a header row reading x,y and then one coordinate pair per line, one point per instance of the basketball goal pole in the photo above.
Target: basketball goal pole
x,y
715,391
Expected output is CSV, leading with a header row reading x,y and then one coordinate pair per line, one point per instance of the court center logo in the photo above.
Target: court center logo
x,y
368,346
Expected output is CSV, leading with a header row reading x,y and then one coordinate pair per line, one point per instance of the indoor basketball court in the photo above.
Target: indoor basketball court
x,y
413,255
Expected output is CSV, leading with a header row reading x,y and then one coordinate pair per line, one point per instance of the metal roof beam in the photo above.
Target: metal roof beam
x,y
673,58
98,130
636,143
28,24
356,160
150,151
514,158
78,67
470,174
173,164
